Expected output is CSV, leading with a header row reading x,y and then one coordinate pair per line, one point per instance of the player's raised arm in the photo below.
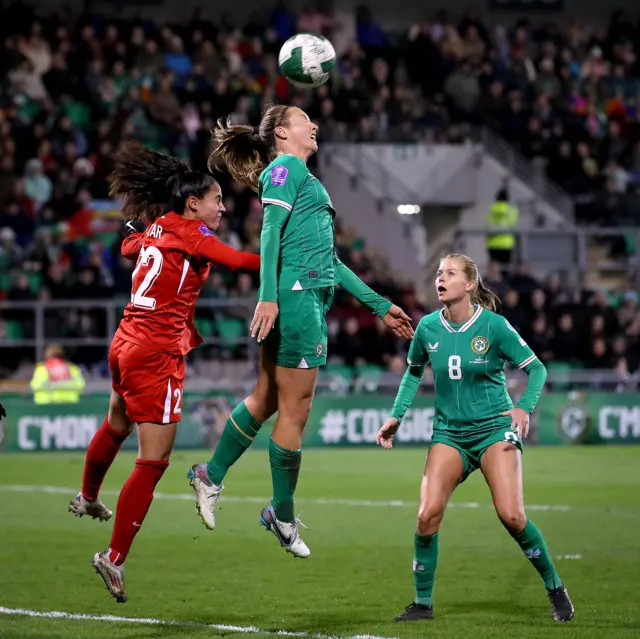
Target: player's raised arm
x,y
518,353
393,316
417,360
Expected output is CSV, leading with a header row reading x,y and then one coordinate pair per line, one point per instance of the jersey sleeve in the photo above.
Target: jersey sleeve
x,y
131,245
280,183
351,283
202,243
416,360
418,355
515,350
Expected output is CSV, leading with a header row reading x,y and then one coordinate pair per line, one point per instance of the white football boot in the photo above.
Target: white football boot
x,y
80,506
286,532
207,494
112,575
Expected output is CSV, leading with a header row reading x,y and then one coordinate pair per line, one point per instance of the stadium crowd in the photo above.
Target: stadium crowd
x,y
73,87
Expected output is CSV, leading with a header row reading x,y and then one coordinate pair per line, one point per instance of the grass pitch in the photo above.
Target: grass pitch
x,y
360,508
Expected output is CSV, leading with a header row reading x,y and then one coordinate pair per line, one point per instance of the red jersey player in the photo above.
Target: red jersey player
x,y
147,354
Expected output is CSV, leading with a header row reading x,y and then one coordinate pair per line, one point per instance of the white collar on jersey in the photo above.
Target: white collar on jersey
x,y
465,326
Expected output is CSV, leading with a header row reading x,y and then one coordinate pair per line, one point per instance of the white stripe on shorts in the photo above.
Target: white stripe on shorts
x,y
166,418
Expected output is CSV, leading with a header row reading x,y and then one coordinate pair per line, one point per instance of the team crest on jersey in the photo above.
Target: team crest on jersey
x,y
319,349
279,175
480,345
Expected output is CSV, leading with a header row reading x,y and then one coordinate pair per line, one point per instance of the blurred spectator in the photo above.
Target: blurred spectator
x,y
495,280
38,186
566,344
56,380
502,219
514,310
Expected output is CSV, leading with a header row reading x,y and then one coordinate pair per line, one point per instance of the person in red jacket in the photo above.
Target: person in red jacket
x,y
147,356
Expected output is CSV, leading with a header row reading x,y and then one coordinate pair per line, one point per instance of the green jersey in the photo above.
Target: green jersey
x,y
468,366
307,257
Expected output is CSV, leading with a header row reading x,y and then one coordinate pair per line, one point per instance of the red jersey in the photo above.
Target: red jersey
x,y
175,257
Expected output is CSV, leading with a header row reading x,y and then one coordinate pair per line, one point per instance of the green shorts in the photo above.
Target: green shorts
x,y
299,337
472,446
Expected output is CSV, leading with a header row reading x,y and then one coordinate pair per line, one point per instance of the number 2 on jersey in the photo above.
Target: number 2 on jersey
x,y
149,255
455,367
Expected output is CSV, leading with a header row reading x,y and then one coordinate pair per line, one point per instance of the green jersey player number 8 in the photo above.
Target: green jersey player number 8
x,y
476,425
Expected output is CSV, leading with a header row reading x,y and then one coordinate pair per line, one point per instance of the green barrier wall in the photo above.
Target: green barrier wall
x,y
589,418
596,418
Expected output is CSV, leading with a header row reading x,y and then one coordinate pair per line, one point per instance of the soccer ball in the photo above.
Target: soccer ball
x,y
306,60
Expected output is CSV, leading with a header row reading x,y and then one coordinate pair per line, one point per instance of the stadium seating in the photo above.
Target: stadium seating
x,y
565,98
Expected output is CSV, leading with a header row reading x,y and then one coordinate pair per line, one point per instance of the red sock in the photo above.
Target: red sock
x,y
134,502
102,450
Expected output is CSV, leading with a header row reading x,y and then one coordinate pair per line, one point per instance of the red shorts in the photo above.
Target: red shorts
x,y
149,382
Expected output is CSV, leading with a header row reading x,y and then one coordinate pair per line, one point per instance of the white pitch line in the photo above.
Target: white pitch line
x,y
150,621
367,503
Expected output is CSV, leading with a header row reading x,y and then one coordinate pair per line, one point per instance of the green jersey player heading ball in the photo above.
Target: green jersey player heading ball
x,y
476,424
299,272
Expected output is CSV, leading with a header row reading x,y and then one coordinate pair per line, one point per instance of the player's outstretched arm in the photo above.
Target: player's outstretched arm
x,y
393,316
404,398
213,250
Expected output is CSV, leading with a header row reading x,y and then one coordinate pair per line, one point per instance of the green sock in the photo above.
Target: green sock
x,y
535,548
238,434
285,467
425,560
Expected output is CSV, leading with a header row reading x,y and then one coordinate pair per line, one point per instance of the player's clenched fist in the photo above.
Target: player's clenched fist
x,y
388,431
263,319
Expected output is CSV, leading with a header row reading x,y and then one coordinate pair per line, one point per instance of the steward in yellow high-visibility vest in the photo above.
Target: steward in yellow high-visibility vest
x,y
502,216
55,380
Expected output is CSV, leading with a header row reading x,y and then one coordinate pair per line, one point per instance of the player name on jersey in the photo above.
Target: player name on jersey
x,y
155,231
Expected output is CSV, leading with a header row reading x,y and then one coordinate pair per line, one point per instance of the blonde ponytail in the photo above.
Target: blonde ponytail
x,y
484,296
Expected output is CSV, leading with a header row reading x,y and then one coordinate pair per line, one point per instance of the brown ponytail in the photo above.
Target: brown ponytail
x,y
480,294
246,151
